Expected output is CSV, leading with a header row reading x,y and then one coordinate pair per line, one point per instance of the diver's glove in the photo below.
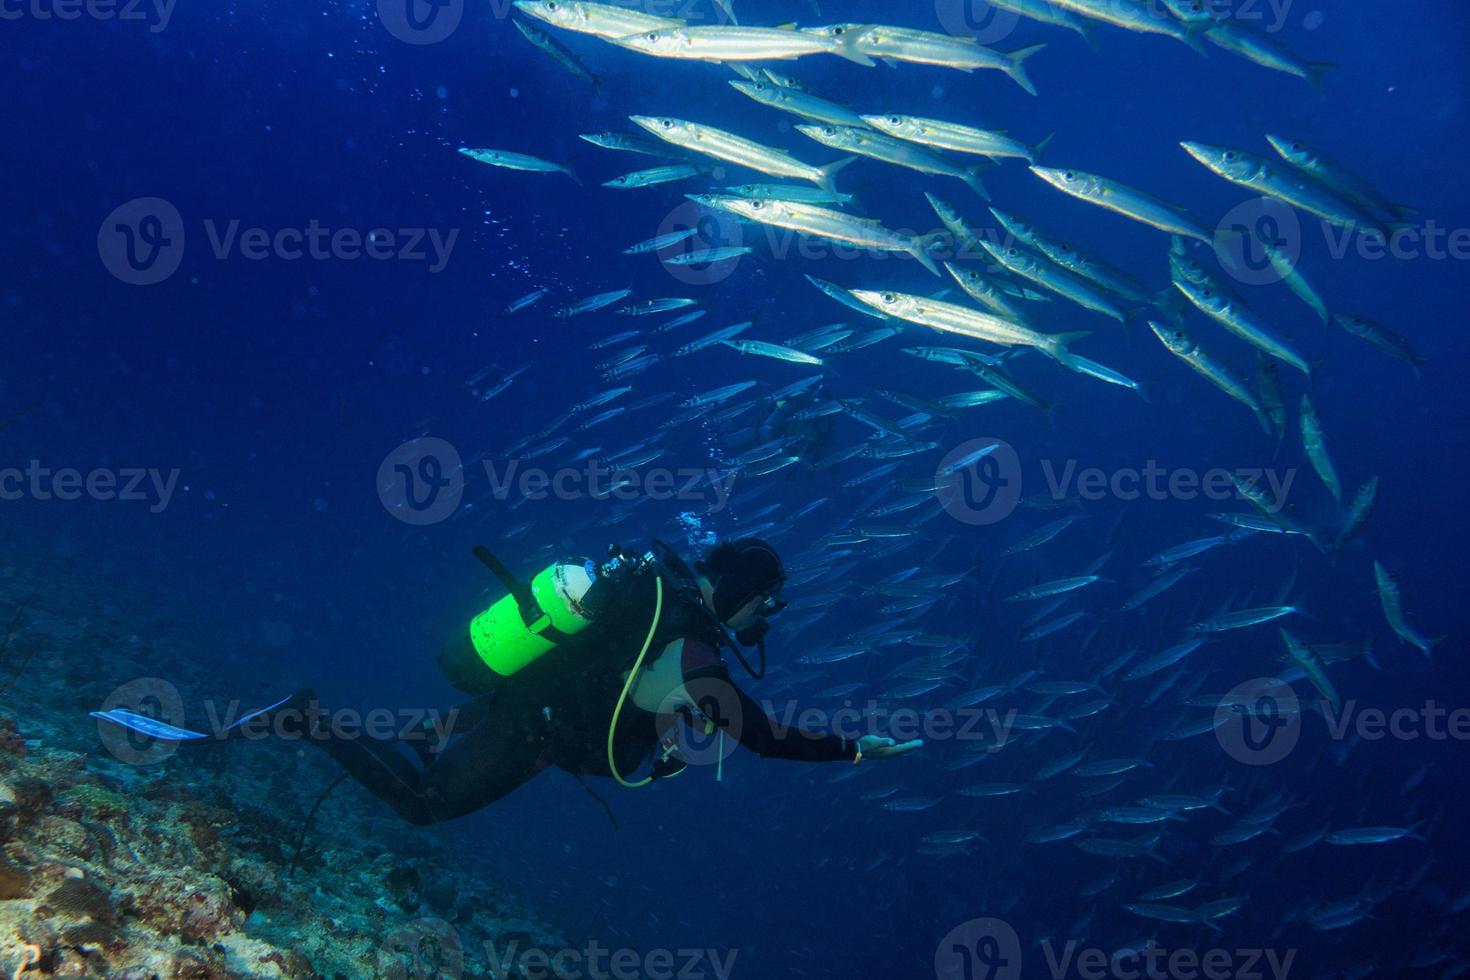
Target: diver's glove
x,y
878,747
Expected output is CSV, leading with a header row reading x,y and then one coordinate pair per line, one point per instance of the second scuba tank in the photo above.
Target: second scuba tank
x,y
534,618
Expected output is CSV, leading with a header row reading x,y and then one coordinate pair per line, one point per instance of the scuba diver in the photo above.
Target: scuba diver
x,y
587,667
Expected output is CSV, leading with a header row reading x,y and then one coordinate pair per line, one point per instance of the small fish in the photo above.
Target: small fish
x,y
1187,349
525,301
659,243
808,219
627,143
1316,446
734,44
880,146
1357,514
654,176
1048,275
737,150
930,48
649,306
557,52
517,161
592,303
1124,200
1242,618
603,20
717,395
1285,183
710,256
1381,337
771,350
1393,611
940,135
1315,672
802,104
1335,175
1054,588
1372,835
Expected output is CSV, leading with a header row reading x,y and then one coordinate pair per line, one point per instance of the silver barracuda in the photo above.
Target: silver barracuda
x,y
802,104
737,150
930,48
1184,347
879,146
517,161
1124,200
808,219
1285,183
603,20
718,43
940,135
951,318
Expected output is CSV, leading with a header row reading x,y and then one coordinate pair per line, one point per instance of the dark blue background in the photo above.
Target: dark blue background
x,y
278,387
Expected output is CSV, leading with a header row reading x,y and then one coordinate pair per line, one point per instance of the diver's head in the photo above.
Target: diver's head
x,y
742,581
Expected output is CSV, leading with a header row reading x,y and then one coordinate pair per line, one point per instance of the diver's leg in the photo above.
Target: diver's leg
x,y
498,754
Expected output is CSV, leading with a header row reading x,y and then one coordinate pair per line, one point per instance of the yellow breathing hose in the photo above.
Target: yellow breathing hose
x,y
658,611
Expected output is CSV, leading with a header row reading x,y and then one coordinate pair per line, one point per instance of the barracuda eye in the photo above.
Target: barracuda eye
x,y
667,124
652,35
838,31
757,205
1069,175
1230,156
895,121
1298,147
1209,294
890,298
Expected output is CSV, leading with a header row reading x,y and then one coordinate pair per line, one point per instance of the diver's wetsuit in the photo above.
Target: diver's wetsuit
x,y
557,711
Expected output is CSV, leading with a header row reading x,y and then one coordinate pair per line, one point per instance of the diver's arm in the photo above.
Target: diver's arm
x,y
769,739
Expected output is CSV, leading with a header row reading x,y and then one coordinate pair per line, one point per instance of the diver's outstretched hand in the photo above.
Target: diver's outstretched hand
x,y
878,747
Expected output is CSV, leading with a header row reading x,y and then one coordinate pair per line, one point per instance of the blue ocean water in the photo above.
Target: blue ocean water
x,y
276,388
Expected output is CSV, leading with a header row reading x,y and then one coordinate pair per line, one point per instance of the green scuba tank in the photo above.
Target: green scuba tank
x,y
534,618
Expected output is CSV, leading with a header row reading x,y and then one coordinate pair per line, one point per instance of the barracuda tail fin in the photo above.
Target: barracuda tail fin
x,y
919,249
1017,67
972,177
1040,148
828,172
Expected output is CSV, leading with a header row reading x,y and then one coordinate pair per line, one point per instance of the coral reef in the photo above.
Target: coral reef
x,y
117,864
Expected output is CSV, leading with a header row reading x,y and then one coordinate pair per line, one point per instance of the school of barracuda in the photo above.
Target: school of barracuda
x,y
1011,284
